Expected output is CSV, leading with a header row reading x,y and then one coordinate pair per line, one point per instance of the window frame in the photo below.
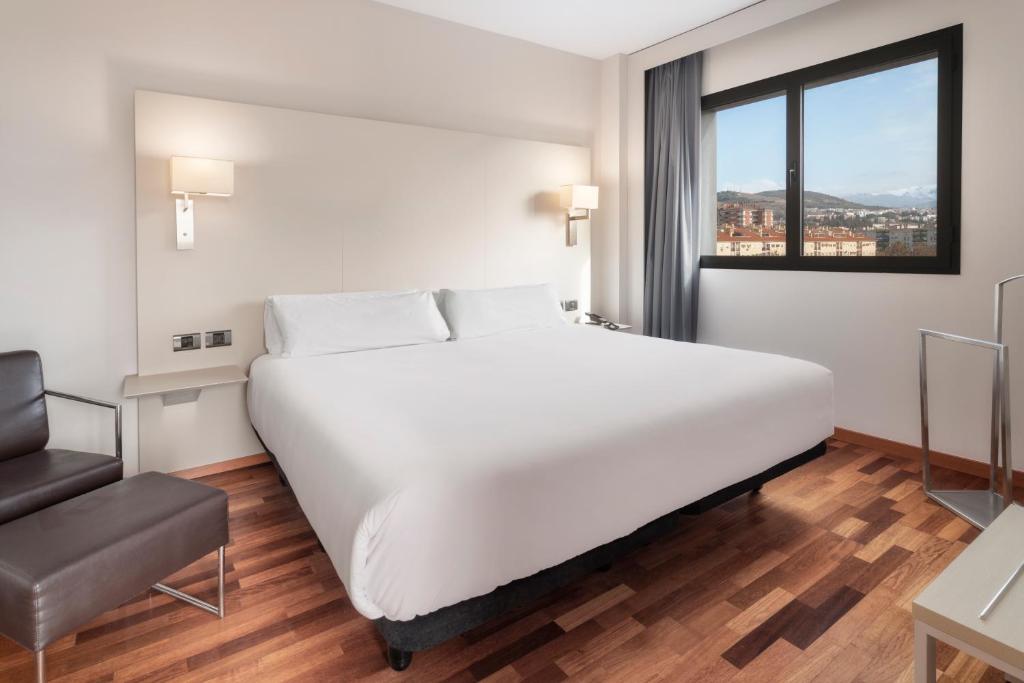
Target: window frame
x,y
945,44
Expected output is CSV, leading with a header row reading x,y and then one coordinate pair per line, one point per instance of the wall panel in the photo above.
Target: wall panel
x,y
324,203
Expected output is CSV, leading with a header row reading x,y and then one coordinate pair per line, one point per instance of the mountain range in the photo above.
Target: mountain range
x,y
776,200
921,197
917,197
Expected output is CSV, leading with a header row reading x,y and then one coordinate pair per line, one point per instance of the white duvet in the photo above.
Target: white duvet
x,y
438,472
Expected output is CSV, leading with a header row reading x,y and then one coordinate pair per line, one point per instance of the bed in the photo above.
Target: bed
x,y
450,481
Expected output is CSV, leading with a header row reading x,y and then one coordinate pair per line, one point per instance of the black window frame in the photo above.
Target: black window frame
x,y
945,44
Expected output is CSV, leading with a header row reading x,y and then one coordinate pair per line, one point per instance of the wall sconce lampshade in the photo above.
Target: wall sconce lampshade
x,y
189,175
202,176
577,198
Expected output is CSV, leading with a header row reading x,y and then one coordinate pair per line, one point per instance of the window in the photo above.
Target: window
x,y
751,170
850,165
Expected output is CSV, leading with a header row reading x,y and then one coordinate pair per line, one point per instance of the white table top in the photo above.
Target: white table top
x,y
169,382
953,601
622,326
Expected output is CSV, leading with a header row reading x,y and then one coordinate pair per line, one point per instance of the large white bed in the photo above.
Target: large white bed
x,y
435,473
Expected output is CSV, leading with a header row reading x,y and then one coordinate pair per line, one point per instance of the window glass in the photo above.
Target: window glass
x,y
750,167
870,159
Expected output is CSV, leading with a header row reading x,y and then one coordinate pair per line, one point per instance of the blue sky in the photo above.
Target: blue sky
x,y
875,133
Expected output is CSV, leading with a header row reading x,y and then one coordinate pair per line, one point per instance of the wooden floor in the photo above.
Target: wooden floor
x,y
810,580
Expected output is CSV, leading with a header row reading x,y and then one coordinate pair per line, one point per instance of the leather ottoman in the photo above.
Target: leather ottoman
x,y
66,564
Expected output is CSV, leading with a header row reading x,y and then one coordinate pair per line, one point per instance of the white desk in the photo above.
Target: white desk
x,y
948,609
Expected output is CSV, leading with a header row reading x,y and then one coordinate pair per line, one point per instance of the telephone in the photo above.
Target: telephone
x,y
596,319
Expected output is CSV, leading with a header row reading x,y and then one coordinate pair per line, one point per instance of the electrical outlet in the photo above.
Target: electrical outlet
x,y
570,305
218,338
190,341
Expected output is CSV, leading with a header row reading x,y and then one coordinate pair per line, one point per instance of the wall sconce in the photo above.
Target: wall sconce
x,y
576,198
189,176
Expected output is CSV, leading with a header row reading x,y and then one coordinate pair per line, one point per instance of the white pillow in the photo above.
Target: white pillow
x,y
316,324
271,334
482,312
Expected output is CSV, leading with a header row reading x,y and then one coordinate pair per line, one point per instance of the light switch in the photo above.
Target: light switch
x,y
218,338
190,341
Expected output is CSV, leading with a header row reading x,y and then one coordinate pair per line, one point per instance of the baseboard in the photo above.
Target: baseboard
x,y
909,452
897,448
223,466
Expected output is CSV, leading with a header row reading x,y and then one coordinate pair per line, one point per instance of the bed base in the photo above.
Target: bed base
x,y
273,461
403,638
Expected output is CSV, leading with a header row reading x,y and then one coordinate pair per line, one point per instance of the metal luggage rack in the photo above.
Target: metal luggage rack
x,y
979,507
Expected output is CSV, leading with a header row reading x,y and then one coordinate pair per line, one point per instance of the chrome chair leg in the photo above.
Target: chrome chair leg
x,y
217,609
196,602
220,582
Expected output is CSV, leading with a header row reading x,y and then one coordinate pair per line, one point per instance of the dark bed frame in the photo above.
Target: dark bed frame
x,y
403,638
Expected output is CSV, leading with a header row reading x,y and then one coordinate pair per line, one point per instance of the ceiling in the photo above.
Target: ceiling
x,y
592,28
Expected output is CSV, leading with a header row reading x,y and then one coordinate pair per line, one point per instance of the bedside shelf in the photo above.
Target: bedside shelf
x,y
622,327
182,387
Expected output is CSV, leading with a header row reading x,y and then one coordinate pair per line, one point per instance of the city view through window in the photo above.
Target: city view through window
x,y
869,168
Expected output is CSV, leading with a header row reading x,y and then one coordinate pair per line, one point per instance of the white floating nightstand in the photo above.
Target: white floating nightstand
x,y
595,320
609,325
182,387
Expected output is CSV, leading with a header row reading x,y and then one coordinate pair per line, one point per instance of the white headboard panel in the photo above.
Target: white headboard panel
x,y
323,203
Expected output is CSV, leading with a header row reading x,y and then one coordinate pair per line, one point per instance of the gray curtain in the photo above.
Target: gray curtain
x,y
672,199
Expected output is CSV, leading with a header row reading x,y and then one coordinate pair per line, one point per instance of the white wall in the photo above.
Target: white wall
x,y
609,170
68,71
863,326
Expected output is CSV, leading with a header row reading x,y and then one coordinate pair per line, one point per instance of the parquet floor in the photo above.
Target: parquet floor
x,y
810,580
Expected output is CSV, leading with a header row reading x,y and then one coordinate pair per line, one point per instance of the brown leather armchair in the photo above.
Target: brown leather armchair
x,y
33,476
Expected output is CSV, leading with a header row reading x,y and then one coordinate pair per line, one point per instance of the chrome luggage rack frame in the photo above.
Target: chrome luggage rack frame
x,y
979,507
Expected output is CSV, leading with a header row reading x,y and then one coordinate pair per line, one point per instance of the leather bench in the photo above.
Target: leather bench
x,y
66,564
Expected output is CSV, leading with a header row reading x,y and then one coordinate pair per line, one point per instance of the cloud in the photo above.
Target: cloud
x,y
752,186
